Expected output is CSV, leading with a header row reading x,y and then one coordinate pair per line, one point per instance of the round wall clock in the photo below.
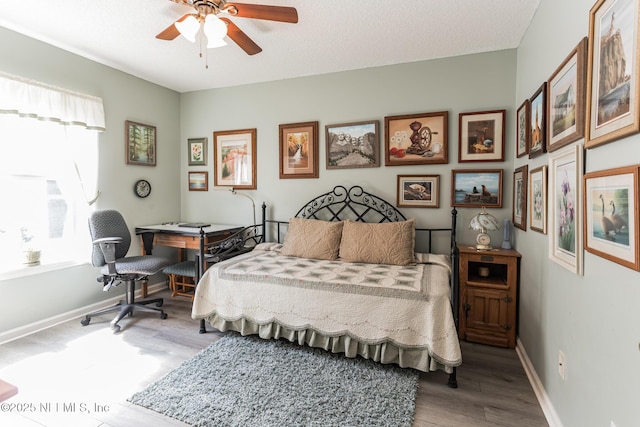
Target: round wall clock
x,y
142,188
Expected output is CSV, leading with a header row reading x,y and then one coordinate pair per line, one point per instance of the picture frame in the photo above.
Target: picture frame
x,y
613,235
538,122
538,199
566,95
198,180
197,151
235,159
418,191
476,188
481,136
140,143
565,207
299,150
522,129
520,189
612,106
353,145
416,139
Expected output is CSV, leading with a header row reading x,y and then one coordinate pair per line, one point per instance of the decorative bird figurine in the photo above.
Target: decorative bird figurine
x,y
607,226
618,222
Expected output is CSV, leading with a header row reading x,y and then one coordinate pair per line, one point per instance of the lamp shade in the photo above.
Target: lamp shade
x,y
188,28
484,221
215,30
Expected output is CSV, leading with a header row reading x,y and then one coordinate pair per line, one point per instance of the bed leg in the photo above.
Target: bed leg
x,y
203,329
453,381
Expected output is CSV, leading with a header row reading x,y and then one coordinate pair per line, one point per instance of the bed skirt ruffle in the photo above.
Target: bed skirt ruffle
x,y
386,352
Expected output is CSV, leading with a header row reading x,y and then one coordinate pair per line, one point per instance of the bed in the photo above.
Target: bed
x,y
343,274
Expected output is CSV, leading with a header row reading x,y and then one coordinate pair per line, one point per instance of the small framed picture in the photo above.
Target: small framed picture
x,y
416,139
199,181
611,215
197,151
481,136
522,129
520,177
476,188
235,159
538,201
538,122
140,144
299,150
353,145
418,191
567,88
565,209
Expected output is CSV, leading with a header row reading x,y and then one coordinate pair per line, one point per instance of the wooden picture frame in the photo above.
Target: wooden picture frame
x,y
481,136
565,105
197,151
613,107
140,143
520,187
235,159
353,145
538,199
418,191
471,188
565,207
611,215
198,180
522,129
299,150
416,139
538,122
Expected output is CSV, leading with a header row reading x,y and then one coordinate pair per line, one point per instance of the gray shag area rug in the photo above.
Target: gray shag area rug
x,y
248,381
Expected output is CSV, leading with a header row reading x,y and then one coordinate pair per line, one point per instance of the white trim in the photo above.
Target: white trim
x,y
543,398
22,331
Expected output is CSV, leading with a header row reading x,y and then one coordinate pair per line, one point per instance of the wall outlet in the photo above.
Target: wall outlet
x,y
561,364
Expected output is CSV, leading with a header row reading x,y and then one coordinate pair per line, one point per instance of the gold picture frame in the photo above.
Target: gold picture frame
x,y
299,150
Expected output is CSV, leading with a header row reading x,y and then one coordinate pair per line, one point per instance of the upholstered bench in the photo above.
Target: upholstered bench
x,y
182,278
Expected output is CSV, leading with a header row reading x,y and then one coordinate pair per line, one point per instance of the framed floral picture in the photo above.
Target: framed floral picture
x,y
197,151
522,129
538,199
353,145
416,139
565,108
418,191
611,215
476,188
299,150
140,144
520,177
481,136
565,207
538,122
235,159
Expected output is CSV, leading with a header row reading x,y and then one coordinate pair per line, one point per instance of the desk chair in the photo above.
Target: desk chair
x,y
111,242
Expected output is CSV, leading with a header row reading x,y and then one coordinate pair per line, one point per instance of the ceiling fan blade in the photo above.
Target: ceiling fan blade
x,y
259,11
241,39
171,32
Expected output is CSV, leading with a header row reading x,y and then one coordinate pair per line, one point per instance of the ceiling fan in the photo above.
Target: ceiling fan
x,y
216,27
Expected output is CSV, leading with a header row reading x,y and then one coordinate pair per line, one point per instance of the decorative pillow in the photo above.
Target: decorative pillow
x,y
312,238
378,243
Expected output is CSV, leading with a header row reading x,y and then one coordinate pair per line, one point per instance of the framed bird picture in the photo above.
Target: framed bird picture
x,y
611,215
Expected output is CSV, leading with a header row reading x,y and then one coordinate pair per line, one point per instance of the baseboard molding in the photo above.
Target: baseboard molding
x,y
22,331
543,398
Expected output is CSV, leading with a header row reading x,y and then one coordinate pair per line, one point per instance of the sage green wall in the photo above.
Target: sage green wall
x,y
594,319
35,297
460,84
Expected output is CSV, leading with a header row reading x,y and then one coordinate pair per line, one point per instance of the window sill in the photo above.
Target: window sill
x,y
19,271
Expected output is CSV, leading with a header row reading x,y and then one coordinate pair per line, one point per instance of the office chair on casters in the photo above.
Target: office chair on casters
x,y
111,242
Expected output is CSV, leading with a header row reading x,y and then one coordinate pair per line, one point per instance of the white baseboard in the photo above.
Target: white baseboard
x,y
543,398
40,325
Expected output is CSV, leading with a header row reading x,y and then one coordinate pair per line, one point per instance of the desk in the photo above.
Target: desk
x,y
176,236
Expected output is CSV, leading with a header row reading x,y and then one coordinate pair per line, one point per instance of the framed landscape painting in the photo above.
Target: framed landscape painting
x,y
476,188
416,139
538,122
140,144
611,215
353,145
299,150
538,201
235,158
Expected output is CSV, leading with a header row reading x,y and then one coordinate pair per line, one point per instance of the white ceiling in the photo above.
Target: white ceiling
x,y
330,36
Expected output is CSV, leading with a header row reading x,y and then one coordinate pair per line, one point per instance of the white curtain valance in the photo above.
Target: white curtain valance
x,y
29,98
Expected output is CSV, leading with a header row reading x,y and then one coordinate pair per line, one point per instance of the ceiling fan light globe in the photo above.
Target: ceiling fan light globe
x,y
213,43
214,28
188,28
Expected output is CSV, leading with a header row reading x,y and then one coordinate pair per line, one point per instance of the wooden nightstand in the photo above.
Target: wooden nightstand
x,y
488,295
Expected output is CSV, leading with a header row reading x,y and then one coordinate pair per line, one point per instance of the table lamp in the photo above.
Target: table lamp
x,y
483,222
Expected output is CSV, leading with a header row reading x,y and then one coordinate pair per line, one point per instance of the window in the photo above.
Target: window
x,y
45,170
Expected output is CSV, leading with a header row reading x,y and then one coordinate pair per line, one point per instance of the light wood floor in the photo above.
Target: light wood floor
x,y
70,375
